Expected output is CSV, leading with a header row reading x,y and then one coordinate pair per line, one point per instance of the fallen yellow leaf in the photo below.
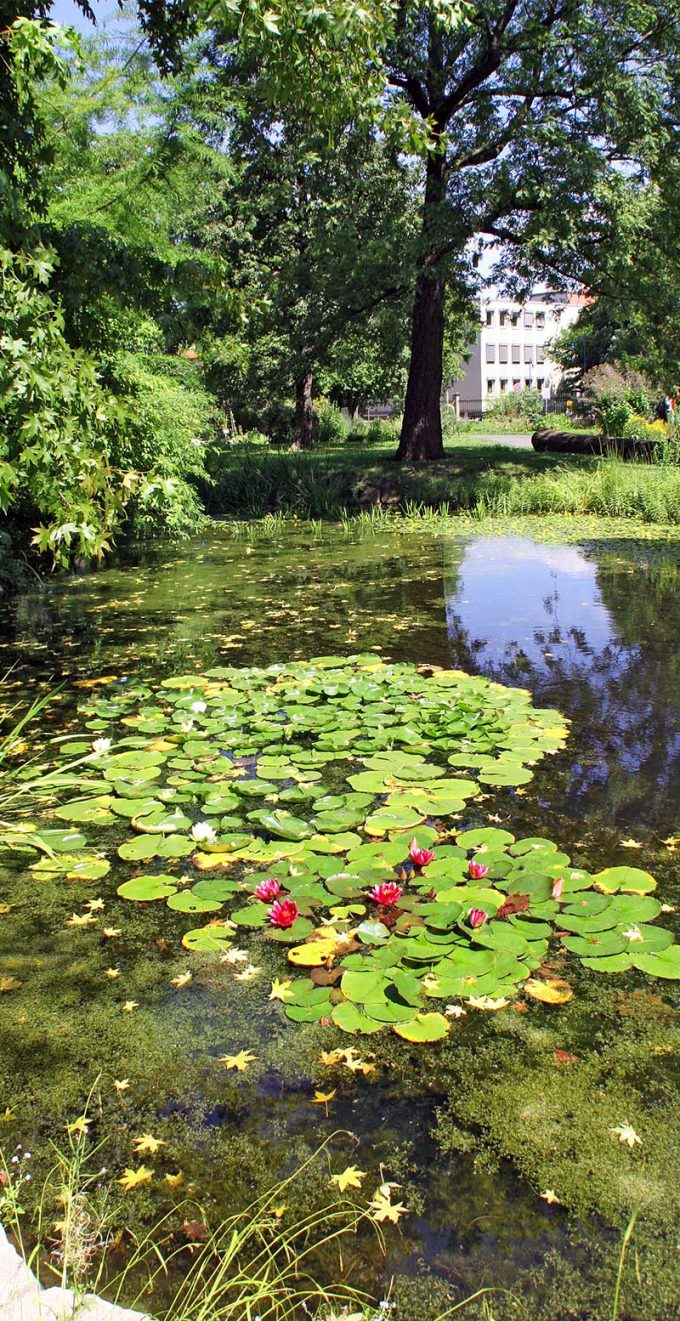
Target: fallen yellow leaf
x,y
182,980
111,932
121,1084
322,1098
552,991
133,1178
129,1006
149,1144
112,972
239,1061
174,1180
281,989
79,1125
80,920
350,1178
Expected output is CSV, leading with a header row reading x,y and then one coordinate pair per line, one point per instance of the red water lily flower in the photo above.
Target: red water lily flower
x,y
387,893
558,886
477,870
268,890
477,917
419,857
283,913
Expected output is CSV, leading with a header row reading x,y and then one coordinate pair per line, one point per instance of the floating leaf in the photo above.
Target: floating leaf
x,y
423,1028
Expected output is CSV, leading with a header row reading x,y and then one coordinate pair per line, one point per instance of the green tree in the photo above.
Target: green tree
x,y
522,112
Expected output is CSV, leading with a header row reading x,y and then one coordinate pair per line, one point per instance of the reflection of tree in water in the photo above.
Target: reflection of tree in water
x,y
623,697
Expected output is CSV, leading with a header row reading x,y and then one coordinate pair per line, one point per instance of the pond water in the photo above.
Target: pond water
x,y
523,1101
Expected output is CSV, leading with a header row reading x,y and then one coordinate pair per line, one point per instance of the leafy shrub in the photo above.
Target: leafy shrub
x,y
638,428
525,405
618,394
330,424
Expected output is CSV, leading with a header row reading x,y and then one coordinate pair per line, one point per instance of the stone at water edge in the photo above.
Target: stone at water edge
x,y
22,1299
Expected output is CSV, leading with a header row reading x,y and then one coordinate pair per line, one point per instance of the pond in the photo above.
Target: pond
x,y
476,1128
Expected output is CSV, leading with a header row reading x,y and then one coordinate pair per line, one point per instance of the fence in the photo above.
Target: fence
x,y
475,409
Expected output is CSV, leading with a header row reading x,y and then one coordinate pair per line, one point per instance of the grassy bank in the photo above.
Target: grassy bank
x,y
475,478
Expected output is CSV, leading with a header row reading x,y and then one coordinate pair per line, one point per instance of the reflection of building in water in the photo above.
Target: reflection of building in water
x,y
512,350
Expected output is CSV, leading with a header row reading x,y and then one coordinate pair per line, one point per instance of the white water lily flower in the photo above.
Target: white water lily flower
x,y
203,833
626,1133
199,707
186,726
101,745
455,1011
633,933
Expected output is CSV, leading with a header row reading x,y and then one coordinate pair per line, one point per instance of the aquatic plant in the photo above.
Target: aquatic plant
x,y
337,780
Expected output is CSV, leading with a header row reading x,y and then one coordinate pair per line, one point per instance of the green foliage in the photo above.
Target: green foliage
x,y
617,393
524,405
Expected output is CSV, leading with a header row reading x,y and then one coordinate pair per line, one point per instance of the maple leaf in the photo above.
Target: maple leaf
x,y
247,973
134,1178
121,1084
350,1178
174,1180
195,1230
330,1057
630,844
80,920
235,956
487,1002
6,1114
455,1011
111,932
9,984
550,1196
147,1143
626,1133
281,989
112,972
322,1098
95,905
383,1208
182,980
129,1006
239,1061
79,1125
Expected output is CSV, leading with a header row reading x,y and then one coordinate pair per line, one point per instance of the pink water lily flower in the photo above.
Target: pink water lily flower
x,y
558,886
283,913
387,893
419,857
268,890
477,917
477,870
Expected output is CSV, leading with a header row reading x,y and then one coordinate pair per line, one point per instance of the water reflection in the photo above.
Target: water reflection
x,y
593,632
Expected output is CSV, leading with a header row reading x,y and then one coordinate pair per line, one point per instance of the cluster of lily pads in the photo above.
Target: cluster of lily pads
x,y
315,804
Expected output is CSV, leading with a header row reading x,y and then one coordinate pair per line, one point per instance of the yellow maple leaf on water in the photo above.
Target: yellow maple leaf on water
x,y
239,1061
330,1057
182,980
111,932
80,920
350,1178
281,989
9,984
383,1208
129,1006
6,1114
630,844
626,1133
174,1180
322,1098
112,972
121,1084
133,1178
95,905
79,1125
550,1196
147,1143
487,1002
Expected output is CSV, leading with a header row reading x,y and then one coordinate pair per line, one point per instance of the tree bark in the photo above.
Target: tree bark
x,y
304,411
421,432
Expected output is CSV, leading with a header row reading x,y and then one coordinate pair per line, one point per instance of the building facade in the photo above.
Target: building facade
x,y
512,350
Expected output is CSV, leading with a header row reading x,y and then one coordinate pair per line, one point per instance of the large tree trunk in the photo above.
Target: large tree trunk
x,y
421,432
304,411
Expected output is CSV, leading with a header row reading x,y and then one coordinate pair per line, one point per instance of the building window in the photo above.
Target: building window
x,y
514,318
491,352
528,352
489,387
540,383
528,320
502,385
516,353
517,385
489,318
540,320
502,353
502,317
527,383
540,353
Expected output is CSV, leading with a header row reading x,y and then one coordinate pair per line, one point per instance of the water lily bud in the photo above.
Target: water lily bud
x,y
558,886
477,871
477,917
268,890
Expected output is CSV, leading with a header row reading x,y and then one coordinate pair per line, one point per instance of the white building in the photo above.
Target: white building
x,y
512,350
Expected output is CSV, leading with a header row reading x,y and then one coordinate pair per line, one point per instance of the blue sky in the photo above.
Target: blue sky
x,y
67,11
